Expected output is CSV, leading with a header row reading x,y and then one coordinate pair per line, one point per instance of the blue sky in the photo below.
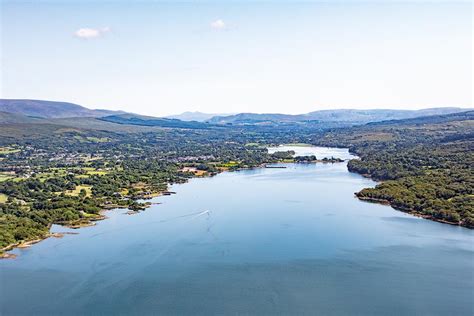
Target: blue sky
x,y
159,58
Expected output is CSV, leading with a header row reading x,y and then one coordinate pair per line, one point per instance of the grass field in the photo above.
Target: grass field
x,y
82,176
52,172
97,172
90,139
228,164
299,145
78,189
3,198
92,171
8,150
4,177
98,140
55,172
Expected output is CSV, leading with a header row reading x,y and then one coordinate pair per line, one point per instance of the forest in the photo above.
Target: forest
x,y
425,164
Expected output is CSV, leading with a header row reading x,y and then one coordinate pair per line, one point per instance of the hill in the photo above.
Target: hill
x,y
255,118
141,120
15,127
50,109
12,118
351,117
194,116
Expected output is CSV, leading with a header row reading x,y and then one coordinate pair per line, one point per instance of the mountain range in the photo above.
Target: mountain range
x,y
341,115
196,116
39,111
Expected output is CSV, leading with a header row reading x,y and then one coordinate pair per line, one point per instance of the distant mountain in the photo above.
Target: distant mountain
x,y
141,120
467,115
50,109
195,116
252,118
366,116
342,115
23,111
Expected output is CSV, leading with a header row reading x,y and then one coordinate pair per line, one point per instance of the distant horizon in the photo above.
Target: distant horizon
x,y
235,113
159,59
324,109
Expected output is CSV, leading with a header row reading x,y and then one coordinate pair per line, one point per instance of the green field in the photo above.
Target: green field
x,y
298,145
98,139
91,139
8,150
92,171
78,189
3,198
229,164
4,177
55,172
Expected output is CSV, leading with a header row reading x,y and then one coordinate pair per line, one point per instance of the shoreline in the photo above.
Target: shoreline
x,y
83,222
400,209
409,211
91,221
28,243
4,254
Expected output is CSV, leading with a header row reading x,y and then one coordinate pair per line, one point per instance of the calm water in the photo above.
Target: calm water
x,y
319,152
263,242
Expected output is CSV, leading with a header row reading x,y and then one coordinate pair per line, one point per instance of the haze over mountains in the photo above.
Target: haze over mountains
x,y
341,115
196,116
39,111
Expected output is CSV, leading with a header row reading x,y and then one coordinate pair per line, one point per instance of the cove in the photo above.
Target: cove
x,y
260,242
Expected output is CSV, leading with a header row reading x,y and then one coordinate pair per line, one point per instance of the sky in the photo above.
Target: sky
x,y
160,58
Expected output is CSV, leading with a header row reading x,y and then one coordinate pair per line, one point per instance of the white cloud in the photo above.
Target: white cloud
x,y
218,24
89,33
